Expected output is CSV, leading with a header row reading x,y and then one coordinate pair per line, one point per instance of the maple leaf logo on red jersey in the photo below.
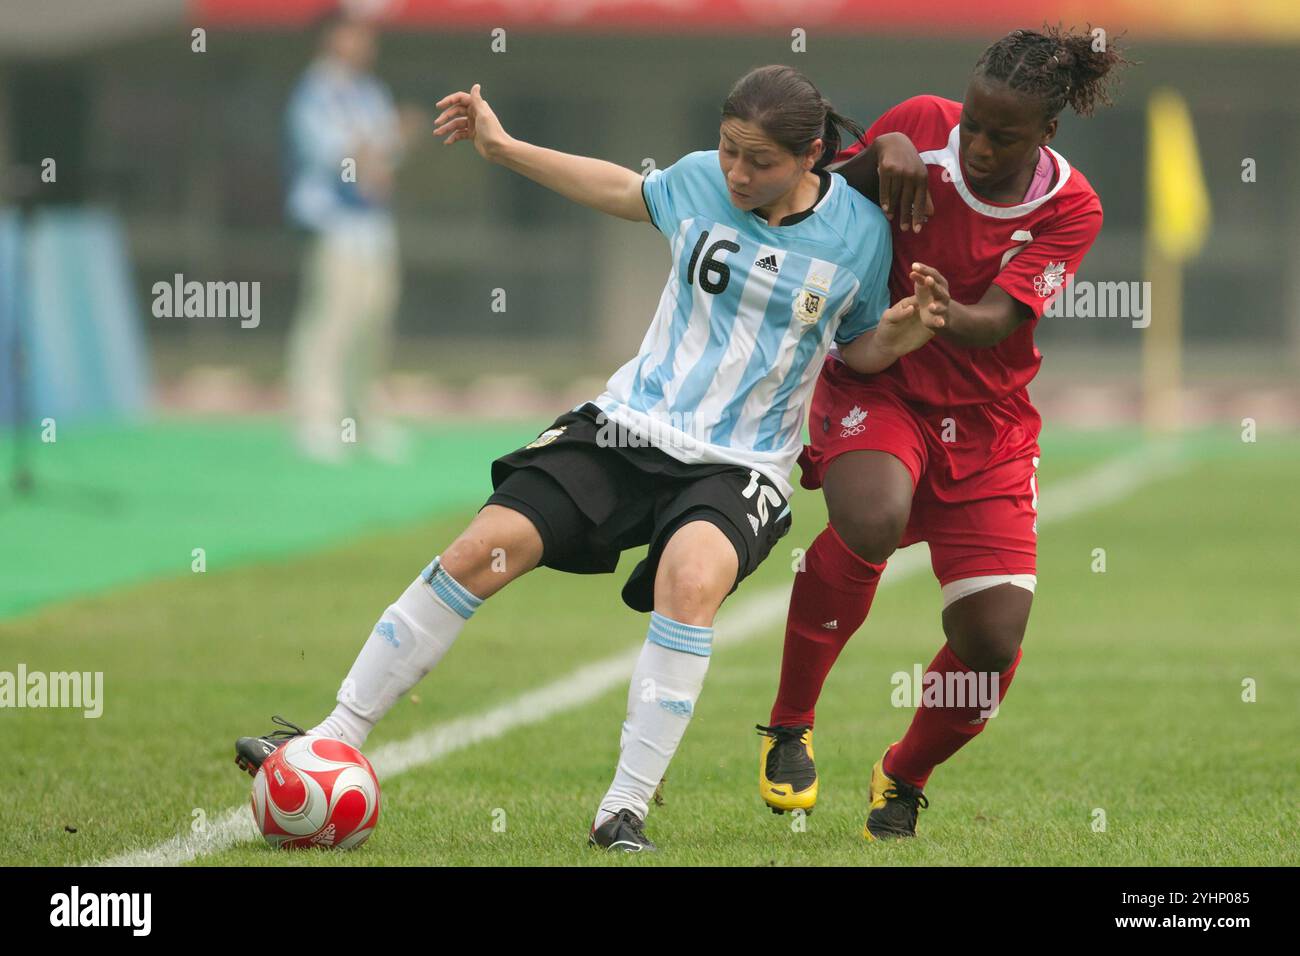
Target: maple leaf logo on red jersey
x,y
852,422
1053,278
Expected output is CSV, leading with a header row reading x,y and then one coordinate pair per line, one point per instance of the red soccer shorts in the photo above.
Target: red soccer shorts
x,y
973,468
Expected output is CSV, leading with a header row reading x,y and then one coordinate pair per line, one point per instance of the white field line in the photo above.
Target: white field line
x,y
746,619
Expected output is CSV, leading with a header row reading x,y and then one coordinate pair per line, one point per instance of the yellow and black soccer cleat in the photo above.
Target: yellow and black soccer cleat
x,y
787,777
894,805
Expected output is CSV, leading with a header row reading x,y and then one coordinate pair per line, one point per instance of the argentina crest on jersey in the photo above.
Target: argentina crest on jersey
x,y
810,299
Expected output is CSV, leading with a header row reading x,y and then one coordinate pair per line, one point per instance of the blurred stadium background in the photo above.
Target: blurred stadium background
x,y
171,432
183,152
173,161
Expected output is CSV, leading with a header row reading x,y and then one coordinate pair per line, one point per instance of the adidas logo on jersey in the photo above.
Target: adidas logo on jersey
x,y
832,625
852,422
768,262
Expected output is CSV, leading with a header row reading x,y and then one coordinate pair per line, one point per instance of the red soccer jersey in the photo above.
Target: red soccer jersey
x,y
1028,249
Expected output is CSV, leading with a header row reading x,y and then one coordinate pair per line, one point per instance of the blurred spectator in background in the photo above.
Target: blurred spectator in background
x,y
346,138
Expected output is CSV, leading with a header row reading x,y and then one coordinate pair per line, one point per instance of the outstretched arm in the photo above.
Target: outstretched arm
x,y
904,327
592,182
986,322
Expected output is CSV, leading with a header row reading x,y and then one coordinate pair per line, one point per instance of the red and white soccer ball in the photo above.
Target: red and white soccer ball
x,y
316,792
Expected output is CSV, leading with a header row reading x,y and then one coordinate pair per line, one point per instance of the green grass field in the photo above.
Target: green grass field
x,y
1129,699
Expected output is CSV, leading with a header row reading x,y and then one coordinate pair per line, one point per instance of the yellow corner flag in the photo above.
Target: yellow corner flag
x,y
1178,209
1178,218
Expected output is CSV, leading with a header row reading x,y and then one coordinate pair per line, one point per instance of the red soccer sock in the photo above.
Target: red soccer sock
x,y
836,588
936,733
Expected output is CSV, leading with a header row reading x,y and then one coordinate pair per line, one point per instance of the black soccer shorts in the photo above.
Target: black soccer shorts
x,y
591,500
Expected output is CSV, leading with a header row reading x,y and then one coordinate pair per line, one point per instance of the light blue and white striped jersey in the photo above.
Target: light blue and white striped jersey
x,y
726,370
331,114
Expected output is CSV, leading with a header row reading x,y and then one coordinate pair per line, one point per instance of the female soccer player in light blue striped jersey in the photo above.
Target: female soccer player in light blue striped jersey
x,y
690,447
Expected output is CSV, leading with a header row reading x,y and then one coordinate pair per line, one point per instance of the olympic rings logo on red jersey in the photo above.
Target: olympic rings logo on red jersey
x,y
854,422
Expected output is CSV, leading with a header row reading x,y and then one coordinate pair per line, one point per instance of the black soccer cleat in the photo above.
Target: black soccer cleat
x,y
251,751
623,831
895,805
787,776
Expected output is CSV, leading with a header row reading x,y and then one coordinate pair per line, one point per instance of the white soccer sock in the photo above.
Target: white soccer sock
x,y
660,700
410,638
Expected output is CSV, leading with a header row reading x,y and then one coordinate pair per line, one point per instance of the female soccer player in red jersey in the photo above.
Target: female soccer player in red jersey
x,y
942,446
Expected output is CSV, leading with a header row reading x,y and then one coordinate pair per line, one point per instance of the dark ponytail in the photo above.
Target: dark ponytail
x,y
831,137
1060,67
790,110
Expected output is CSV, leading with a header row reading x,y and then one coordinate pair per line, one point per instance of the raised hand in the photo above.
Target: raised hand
x,y
468,116
931,293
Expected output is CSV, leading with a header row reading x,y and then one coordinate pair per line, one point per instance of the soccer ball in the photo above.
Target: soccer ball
x,y
316,792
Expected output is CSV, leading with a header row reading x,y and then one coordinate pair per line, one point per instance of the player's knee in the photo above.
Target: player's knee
x,y
870,533
991,647
689,591
491,553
